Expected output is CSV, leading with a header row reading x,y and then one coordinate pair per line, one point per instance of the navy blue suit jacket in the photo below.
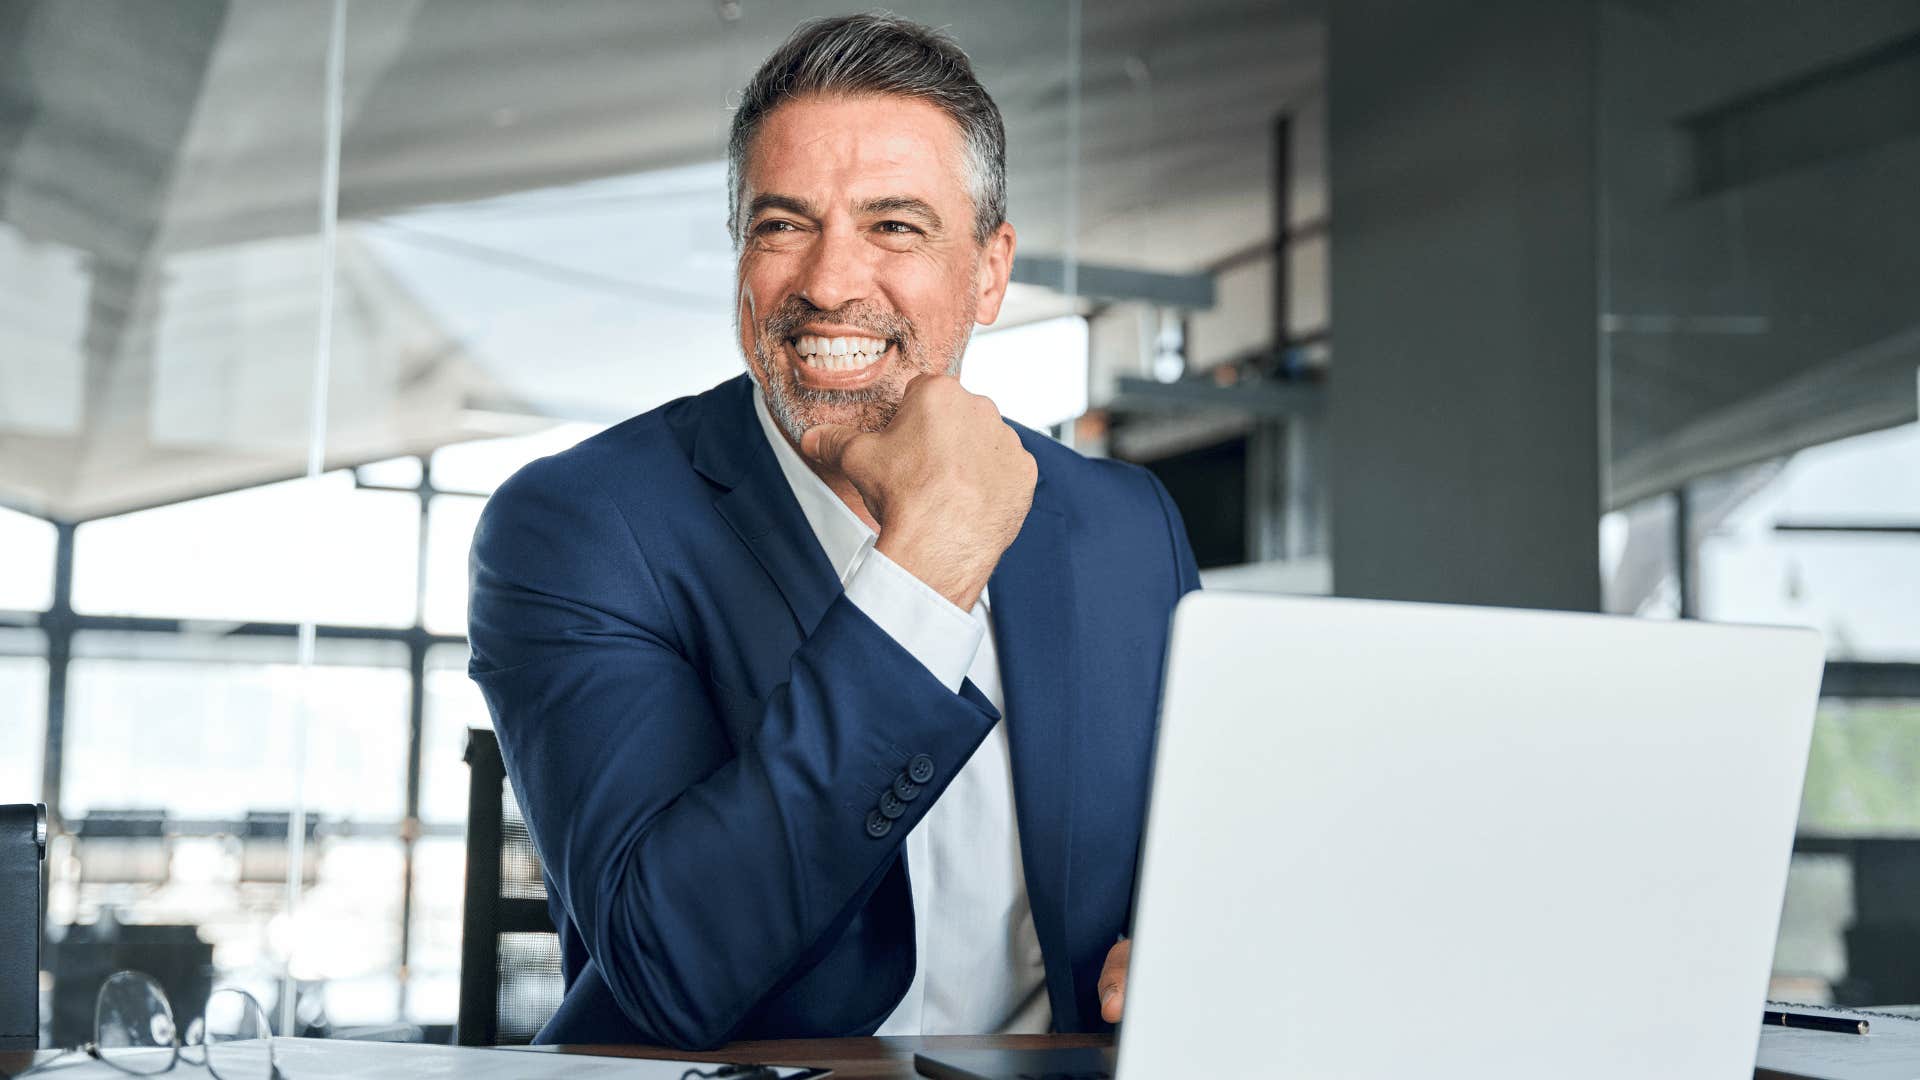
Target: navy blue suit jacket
x,y
697,723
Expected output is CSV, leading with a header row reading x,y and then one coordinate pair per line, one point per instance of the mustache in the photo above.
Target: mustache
x,y
794,312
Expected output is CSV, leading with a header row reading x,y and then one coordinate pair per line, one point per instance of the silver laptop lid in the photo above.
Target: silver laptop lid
x,y
1391,840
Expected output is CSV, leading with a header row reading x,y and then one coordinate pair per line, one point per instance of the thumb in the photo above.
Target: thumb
x,y
828,443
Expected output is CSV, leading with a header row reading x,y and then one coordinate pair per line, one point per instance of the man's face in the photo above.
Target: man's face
x,y
859,268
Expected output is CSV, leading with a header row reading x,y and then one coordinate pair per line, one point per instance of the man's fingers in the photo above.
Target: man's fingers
x,y
828,443
1113,982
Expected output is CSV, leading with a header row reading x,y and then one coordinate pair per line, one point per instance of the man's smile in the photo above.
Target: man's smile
x,y
827,360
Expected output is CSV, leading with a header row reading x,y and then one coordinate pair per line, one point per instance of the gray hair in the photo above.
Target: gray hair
x,y
878,53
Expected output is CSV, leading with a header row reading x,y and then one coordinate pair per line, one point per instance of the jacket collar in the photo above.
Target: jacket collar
x,y
842,535
758,503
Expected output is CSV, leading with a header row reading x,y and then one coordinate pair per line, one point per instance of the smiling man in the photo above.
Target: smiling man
x,y
829,694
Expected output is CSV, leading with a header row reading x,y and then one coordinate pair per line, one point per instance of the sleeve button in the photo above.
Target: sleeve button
x,y
890,805
920,769
905,788
878,824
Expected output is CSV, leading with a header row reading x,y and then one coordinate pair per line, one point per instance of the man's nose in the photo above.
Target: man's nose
x,y
838,269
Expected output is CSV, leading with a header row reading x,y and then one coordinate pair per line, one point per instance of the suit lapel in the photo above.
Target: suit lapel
x,y
1033,604
731,451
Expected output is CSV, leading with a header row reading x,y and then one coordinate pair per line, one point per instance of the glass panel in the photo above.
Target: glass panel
x,y
453,704
1810,954
346,935
1757,164
1845,929
200,729
26,550
451,520
483,465
232,557
23,714
161,259
400,472
1036,374
433,972
1863,771
1814,542
1638,571
159,252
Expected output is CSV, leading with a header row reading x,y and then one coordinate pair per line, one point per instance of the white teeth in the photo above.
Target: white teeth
x,y
839,353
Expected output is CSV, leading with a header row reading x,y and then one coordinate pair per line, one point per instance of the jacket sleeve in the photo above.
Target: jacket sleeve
x,y
699,874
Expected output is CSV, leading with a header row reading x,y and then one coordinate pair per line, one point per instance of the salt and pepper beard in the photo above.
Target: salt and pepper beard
x,y
796,406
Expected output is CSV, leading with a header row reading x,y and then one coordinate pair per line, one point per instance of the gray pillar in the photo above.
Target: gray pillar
x,y
1465,405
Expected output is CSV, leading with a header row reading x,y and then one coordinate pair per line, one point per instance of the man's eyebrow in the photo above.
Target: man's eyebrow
x,y
763,203
900,204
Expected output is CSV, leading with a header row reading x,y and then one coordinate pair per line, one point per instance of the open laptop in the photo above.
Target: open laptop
x,y
1393,840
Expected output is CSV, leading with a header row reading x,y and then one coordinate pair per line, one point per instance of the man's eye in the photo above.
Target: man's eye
x,y
776,225
898,228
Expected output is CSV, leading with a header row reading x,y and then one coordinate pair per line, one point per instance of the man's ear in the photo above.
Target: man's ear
x,y
996,263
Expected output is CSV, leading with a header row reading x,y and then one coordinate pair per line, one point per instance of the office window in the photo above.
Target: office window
x,y
23,713
1863,769
450,523
1859,815
1036,373
317,550
400,472
433,970
146,710
26,550
1816,541
347,931
453,704
482,465
1638,559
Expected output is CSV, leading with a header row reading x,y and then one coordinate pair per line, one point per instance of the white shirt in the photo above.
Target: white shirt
x,y
978,967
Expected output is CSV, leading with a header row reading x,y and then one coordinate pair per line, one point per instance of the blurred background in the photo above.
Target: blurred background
x,y
1625,304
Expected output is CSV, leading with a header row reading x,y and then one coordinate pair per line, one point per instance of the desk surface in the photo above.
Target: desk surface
x,y
852,1059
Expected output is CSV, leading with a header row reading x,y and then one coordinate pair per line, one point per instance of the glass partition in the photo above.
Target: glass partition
x,y
163,220
288,289
1760,348
1757,161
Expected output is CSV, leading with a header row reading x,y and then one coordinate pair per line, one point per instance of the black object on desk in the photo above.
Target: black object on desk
x,y
1844,1025
23,847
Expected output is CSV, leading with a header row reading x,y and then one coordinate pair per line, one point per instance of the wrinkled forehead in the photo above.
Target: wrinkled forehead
x,y
827,149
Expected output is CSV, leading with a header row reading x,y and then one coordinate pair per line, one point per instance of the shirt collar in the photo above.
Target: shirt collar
x,y
842,535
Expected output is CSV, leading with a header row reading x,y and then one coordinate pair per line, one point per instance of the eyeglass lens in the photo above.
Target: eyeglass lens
x,y
234,1036
134,1031
133,1024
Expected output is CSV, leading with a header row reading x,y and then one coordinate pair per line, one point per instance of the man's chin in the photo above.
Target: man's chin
x,y
869,416
795,417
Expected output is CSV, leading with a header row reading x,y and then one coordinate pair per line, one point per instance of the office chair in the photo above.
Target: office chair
x,y
23,848
510,980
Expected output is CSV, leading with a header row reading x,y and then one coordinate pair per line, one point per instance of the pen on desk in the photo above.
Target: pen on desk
x,y
1815,1021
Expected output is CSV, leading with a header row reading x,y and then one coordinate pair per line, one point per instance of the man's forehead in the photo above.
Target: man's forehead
x,y
847,139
